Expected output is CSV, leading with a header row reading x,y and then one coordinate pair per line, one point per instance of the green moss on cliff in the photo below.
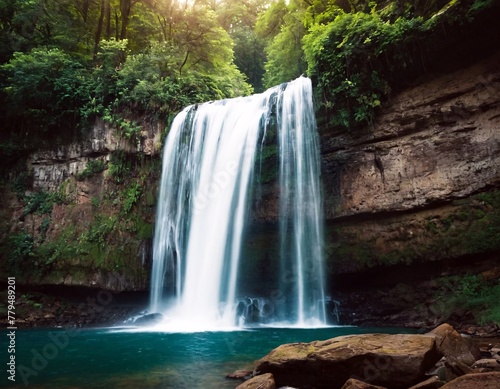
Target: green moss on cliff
x,y
469,226
472,294
94,223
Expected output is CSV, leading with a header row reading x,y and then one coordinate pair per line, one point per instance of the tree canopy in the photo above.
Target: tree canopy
x,y
119,58
107,58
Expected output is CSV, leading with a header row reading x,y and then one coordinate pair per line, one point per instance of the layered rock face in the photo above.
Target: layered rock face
x,y
51,167
421,183
433,143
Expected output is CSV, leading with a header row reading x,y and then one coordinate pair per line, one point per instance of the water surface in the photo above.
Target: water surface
x,y
113,358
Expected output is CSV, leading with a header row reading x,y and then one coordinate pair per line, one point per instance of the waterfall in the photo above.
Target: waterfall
x,y
301,224
204,202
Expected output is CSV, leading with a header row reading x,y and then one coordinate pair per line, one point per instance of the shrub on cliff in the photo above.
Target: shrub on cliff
x,y
43,89
358,56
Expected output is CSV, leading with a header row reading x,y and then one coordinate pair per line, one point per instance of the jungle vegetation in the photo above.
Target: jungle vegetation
x,y
65,62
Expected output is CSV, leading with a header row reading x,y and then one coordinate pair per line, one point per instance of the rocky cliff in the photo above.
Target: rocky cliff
x,y
417,172
410,201
82,213
436,142
416,197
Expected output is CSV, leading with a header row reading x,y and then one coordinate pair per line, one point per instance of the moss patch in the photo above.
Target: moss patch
x,y
465,227
94,223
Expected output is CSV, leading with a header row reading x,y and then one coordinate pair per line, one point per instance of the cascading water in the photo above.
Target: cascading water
x,y
205,196
301,223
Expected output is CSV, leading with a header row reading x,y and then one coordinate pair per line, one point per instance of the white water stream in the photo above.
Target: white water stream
x,y
204,201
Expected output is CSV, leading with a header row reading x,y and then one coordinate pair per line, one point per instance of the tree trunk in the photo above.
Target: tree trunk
x,y
163,25
98,31
183,63
125,6
117,26
85,10
108,19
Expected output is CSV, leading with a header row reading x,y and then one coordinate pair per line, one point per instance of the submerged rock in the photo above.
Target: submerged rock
x,y
264,381
148,319
395,361
240,374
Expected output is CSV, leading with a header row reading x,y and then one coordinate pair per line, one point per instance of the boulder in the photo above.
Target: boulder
x,y
353,383
264,381
431,383
395,361
451,344
473,347
491,364
489,380
459,368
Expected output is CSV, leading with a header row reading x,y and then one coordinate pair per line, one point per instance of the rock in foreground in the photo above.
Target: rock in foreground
x,y
475,381
451,344
264,381
395,361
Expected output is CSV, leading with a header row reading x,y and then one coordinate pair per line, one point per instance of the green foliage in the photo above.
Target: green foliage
x,y
106,238
144,230
269,23
249,55
52,253
469,286
473,292
28,24
487,303
57,79
117,60
284,58
110,60
148,82
480,5
361,254
131,196
41,202
490,198
473,228
93,166
282,24
357,56
20,183
268,163
469,228
120,166
95,201
44,226
102,83
477,226
29,299
19,252
99,231
350,58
